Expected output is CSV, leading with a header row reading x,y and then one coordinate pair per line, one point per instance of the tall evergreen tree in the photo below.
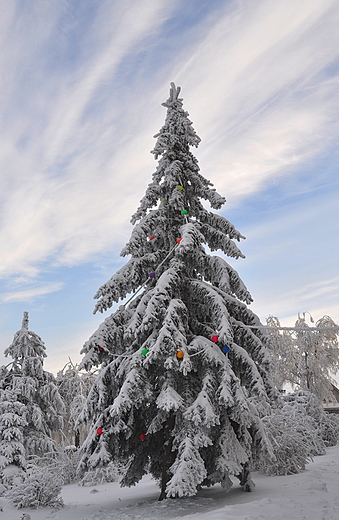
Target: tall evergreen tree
x,y
34,403
183,380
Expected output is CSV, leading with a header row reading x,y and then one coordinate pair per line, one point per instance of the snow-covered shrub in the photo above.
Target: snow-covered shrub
x,y
326,427
329,429
67,464
293,439
298,430
110,473
11,475
40,487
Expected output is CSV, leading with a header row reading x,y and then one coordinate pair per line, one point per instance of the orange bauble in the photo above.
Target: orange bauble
x,y
180,354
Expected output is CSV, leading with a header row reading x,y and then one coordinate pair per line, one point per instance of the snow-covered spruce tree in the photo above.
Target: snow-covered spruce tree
x,y
183,381
12,421
35,390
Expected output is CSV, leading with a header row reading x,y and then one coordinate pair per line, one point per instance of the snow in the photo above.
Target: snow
x,y
311,495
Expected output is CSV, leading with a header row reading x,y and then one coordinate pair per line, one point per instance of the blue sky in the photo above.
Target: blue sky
x,y
81,88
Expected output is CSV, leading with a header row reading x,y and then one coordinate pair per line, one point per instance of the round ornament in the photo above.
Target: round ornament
x,y
226,349
152,237
144,351
184,212
99,431
164,201
152,274
142,436
180,354
179,240
101,349
215,339
180,188
121,308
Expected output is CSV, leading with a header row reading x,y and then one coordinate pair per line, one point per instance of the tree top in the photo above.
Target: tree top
x,y
173,97
25,321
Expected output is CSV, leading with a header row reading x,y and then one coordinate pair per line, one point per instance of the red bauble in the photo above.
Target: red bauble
x,y
100,349
142,436
179,240
152,237
99,431
215,339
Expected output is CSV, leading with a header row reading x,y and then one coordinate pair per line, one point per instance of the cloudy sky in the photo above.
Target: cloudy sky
x,y
81,87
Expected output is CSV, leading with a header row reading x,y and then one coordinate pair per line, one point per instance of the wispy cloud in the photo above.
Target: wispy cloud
x,y
31,293
75,158
319,298
262,92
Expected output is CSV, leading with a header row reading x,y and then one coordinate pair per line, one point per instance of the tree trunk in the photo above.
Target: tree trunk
x,y
77,438
245,478
169,455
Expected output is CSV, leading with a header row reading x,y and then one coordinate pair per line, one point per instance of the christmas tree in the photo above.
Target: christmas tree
x,y
183,380
31,404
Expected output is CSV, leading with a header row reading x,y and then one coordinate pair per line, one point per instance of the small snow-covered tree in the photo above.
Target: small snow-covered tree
x,y
283,353
306,358
73,387
12,422
318,356
41,486
33,394
183,380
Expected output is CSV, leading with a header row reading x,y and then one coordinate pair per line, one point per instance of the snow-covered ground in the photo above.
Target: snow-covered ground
x,y
311,495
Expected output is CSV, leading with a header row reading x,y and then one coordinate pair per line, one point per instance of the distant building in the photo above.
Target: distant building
x,y
333,406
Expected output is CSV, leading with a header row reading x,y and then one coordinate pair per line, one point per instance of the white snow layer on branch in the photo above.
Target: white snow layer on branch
x,y
250,372
126,280
169,399
233,455
188,470
215,302
201,411
220,273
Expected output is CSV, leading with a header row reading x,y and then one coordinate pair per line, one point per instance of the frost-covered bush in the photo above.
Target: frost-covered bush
x,y
110,473
40,487
67,464
298,430
329,429
293,438
11,475
326,426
